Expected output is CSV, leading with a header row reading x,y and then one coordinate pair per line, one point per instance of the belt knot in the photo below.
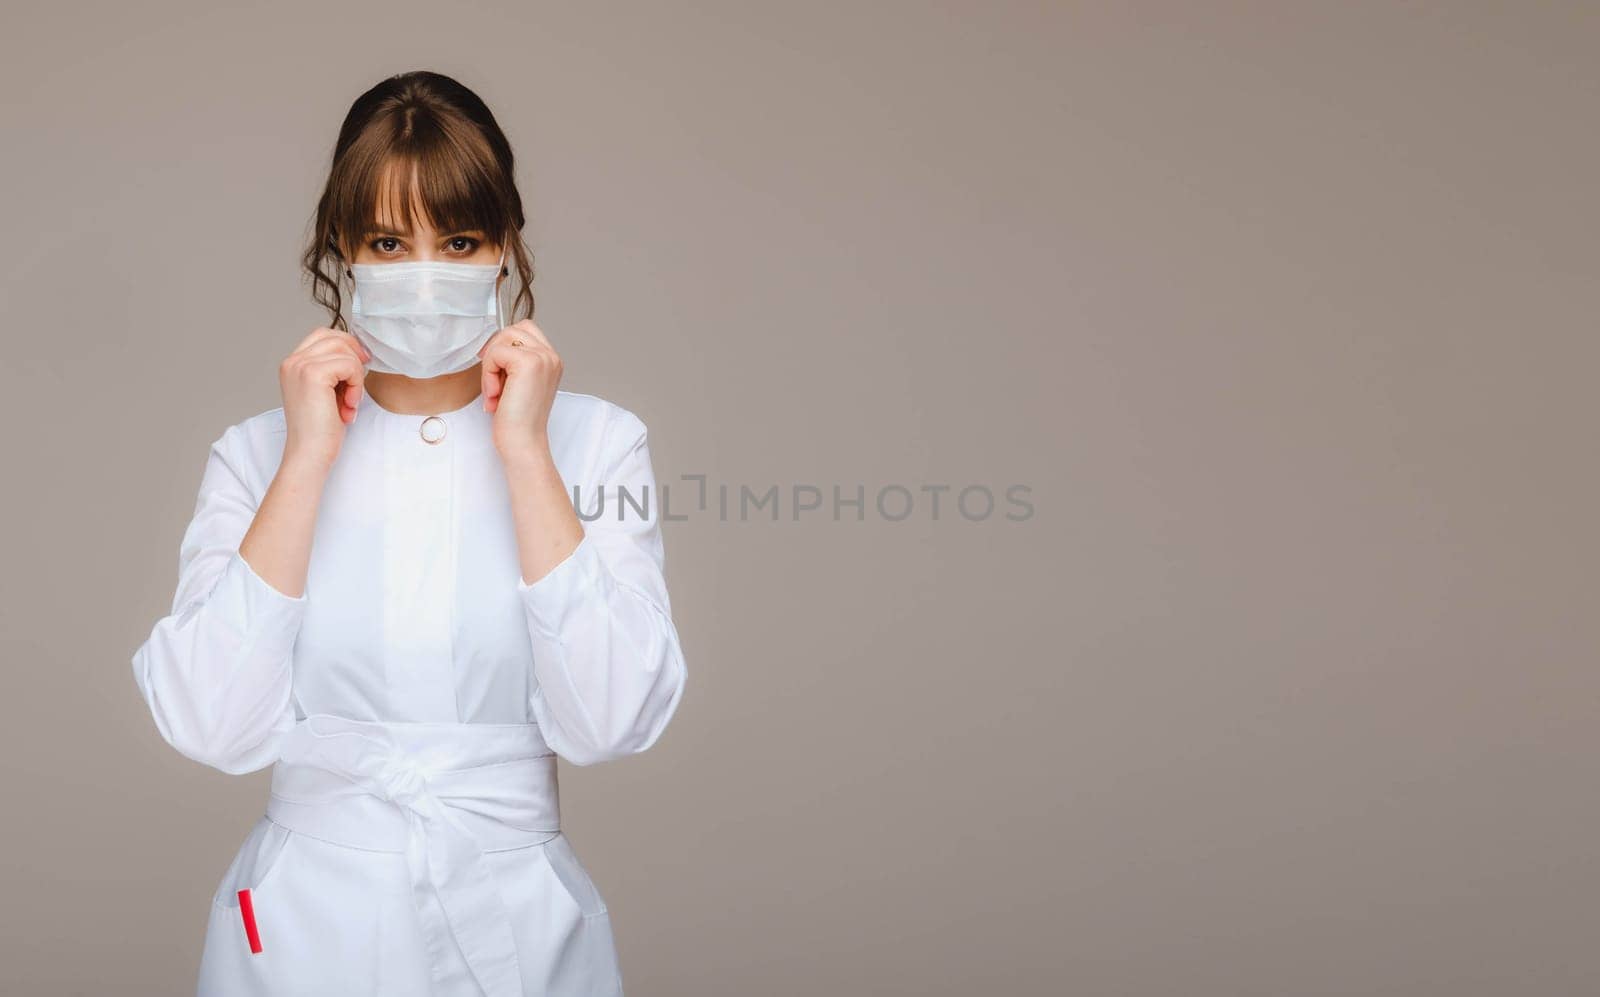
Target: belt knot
x,y
402,781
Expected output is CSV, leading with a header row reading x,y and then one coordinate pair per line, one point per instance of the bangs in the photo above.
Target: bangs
x,y
414,167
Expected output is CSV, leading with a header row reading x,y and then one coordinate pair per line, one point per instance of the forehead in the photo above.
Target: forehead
x,y
390,222
399,203
420,199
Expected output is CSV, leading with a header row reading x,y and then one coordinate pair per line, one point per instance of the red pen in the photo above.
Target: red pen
x,y
248,912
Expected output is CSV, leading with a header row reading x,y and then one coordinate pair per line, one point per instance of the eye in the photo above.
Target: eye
x,y
465,244
385,244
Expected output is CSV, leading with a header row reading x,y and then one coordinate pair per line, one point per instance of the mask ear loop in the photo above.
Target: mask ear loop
x,y
499,312
355,296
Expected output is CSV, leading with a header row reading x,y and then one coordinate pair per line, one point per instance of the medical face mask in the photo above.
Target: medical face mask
x,y
425,318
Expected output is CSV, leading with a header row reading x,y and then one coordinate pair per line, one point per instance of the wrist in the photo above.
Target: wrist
x,y
531,451
303,466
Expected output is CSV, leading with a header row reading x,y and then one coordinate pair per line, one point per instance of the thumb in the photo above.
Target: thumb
x,y
491,383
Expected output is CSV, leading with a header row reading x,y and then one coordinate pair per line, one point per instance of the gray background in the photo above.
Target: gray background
x,y
1284,312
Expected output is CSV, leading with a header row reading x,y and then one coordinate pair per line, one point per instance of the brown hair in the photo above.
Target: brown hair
x,y
457,166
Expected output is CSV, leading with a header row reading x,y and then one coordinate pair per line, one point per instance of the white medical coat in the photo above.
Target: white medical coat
x,y
415,618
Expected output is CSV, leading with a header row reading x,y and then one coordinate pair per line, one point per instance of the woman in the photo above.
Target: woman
x,y
387,593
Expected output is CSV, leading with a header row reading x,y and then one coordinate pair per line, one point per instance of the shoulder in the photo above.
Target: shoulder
x,y
591,409
253,446
604,422
593,431
264,429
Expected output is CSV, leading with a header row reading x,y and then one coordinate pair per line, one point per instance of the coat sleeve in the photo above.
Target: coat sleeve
x,y
216,672
608,668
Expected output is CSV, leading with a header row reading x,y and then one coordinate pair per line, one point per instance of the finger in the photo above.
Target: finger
x,y
338,341
330,371
345,358
500,356
341,344
499,363
315,335
500,336
527,326
353,388
350,399
311,337
491,382
323,341
359,347
509,359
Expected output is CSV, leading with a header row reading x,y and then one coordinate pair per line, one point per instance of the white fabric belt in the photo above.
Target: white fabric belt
x,y
442,794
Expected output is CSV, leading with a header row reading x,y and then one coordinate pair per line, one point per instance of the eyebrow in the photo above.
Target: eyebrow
x,y
380,230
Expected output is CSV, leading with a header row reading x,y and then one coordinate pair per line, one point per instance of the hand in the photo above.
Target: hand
x,y
521,372
321,383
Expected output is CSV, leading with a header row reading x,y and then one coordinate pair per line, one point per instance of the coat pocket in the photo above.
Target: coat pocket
x,y
574,878
253,866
